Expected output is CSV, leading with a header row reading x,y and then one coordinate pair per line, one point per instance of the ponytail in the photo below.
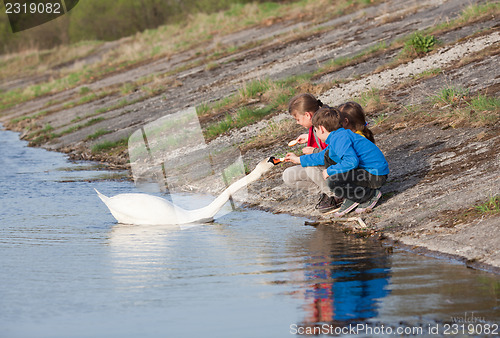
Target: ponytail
x,y
368,133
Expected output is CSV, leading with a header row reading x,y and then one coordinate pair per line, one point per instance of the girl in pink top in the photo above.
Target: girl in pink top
x,y
302,107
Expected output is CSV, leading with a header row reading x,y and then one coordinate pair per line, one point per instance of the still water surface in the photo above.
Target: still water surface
x,y
68,270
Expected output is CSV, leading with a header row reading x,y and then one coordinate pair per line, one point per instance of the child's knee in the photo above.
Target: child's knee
x,y
289,176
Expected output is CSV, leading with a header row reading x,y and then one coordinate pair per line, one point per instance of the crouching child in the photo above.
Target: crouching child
x,y
355,167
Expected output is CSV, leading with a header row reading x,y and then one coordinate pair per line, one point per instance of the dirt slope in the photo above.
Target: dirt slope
x,y
437,172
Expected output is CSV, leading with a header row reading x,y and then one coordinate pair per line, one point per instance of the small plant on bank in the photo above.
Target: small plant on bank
x,y
451,95
84,90
254,88
418,45
491,206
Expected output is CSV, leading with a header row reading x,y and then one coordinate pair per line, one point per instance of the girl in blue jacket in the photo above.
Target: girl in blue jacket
x,y
355,166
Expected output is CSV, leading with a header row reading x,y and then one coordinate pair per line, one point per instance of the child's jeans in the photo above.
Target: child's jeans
x,y
357,185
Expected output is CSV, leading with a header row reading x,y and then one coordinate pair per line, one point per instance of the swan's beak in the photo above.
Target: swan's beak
x,y
274,160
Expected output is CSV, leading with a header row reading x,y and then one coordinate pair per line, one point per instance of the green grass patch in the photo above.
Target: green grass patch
x,y
257,99
428,74
244,117
127,88
106,146
72,129
485,103
450,95
254,88
42,135
84,90
98,134
417,45
491,206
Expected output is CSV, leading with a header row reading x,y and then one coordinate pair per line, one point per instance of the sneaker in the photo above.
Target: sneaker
x,y
368,205
328,204
346,207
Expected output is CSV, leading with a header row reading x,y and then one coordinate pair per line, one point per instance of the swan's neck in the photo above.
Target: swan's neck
x,y
210,210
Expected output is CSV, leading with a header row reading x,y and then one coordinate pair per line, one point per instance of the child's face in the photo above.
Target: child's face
x,y
305,120
321,132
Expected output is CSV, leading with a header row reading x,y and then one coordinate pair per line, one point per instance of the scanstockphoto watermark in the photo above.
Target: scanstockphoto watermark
x,y
365,329
356,329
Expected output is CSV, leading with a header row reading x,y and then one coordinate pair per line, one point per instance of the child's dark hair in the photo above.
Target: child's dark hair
x,y
327,117
302,103
355,114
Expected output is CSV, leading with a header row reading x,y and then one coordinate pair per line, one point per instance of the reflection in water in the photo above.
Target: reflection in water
x,y
341,278
345,278
140,253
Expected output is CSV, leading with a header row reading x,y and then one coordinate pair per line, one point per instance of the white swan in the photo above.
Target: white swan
x,y
144,209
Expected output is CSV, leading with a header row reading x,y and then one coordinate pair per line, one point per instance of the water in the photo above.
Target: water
x,y
68,270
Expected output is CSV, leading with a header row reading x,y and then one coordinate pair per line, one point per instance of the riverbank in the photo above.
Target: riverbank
x,y
442,147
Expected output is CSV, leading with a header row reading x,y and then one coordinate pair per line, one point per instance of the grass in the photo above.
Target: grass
x,y
260,98
120,104
491,206
253,88
84,90
472,13
417,45
154,43
257,99
485,103
374,102
428,74
42,135
450,107
275,133
421,42
243,117
212,66
450,95
80,126
97,134
127,88
85,99
107,146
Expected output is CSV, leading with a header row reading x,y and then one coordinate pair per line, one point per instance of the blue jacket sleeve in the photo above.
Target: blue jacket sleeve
x,y
314,159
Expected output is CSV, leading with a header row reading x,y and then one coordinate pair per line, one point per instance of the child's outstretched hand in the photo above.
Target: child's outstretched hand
x,y
291,157
302,138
